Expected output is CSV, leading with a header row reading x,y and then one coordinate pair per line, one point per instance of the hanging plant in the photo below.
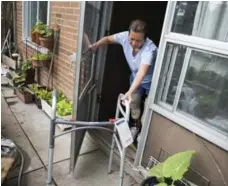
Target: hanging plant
x,y
39,59
36,32
46,38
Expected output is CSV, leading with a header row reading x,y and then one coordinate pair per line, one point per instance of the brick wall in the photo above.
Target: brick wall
x,y
66,15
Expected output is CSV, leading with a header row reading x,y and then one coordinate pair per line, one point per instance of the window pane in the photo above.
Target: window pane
x,y
205,91
33,13
206,19
170,72
43,9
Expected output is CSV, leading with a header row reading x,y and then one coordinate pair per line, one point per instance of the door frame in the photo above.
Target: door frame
x,y
98,75
101,58
106,22
105,25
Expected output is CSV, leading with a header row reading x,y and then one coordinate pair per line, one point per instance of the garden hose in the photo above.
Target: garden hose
x,y
22,163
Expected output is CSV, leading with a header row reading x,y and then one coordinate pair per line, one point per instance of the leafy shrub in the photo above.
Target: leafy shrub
x,y
40,56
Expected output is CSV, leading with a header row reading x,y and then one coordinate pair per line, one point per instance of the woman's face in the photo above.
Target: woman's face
x,y
136,40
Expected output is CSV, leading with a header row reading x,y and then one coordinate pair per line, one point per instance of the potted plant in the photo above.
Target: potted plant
x,y
17,80
35,88
64,110
46,38
39,59
29,71
35,32
33,35
170,172
24,94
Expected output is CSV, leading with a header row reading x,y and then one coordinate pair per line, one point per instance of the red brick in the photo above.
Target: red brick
x,y
74,4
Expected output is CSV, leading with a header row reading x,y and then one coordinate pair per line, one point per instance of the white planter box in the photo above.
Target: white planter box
x,y
47,109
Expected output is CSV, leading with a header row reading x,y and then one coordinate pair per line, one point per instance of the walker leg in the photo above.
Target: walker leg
x,y
51,152
50,166
122,167
111,153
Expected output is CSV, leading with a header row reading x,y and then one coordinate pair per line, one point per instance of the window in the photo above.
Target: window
x,y
203,94
33,11
206,19
191,74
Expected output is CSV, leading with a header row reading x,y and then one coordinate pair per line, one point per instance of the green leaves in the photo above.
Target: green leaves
x,y
174,167
161,184
157,171
47,32
40,56
42,29
38,27
26,66
64,107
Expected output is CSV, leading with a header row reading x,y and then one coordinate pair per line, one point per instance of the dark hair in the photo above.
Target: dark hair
x,y
138,26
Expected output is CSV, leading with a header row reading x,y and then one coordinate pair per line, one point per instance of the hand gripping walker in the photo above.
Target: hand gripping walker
x,y
88,125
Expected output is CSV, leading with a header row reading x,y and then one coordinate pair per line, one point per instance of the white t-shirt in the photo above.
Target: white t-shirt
x,y
146,55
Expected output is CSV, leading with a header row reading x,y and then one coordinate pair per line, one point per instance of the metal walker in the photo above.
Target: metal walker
x,y
80,125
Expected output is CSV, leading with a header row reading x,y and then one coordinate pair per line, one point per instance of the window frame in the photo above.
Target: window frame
x,y
25,13
191,42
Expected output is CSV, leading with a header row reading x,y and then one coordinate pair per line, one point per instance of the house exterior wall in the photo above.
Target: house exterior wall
x,y
66,15
173,138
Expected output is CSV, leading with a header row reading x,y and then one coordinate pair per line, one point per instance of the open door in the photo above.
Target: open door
x,y
85,83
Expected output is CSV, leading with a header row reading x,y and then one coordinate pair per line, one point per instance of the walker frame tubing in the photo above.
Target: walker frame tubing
x,y
82,125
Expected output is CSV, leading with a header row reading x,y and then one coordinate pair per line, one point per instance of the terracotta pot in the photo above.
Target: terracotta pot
x,y
46,42
33,36
38,35
39,63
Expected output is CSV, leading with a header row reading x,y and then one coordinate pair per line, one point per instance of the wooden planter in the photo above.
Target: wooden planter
x,y
40,63
24,96
46,42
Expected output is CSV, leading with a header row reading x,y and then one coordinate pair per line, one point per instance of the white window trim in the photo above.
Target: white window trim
x,y
24,31
193,125
198,43
182,78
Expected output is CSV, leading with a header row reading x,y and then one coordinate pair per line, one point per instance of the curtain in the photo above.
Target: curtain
x,y
211,20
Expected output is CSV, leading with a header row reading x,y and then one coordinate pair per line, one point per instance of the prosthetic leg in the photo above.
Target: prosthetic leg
x,y
135,113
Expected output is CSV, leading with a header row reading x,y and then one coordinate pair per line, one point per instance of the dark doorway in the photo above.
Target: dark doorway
x,y
116,74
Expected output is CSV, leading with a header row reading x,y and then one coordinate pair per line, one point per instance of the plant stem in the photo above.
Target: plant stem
x,y
173,183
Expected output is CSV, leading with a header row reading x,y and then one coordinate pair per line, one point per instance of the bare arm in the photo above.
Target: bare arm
x,y
137,81
103,41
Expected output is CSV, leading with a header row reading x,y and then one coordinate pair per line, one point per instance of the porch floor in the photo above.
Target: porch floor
x,y
28,127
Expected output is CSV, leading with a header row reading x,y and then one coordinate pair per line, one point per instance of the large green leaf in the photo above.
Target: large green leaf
x,y
161,184
157,171
176,165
